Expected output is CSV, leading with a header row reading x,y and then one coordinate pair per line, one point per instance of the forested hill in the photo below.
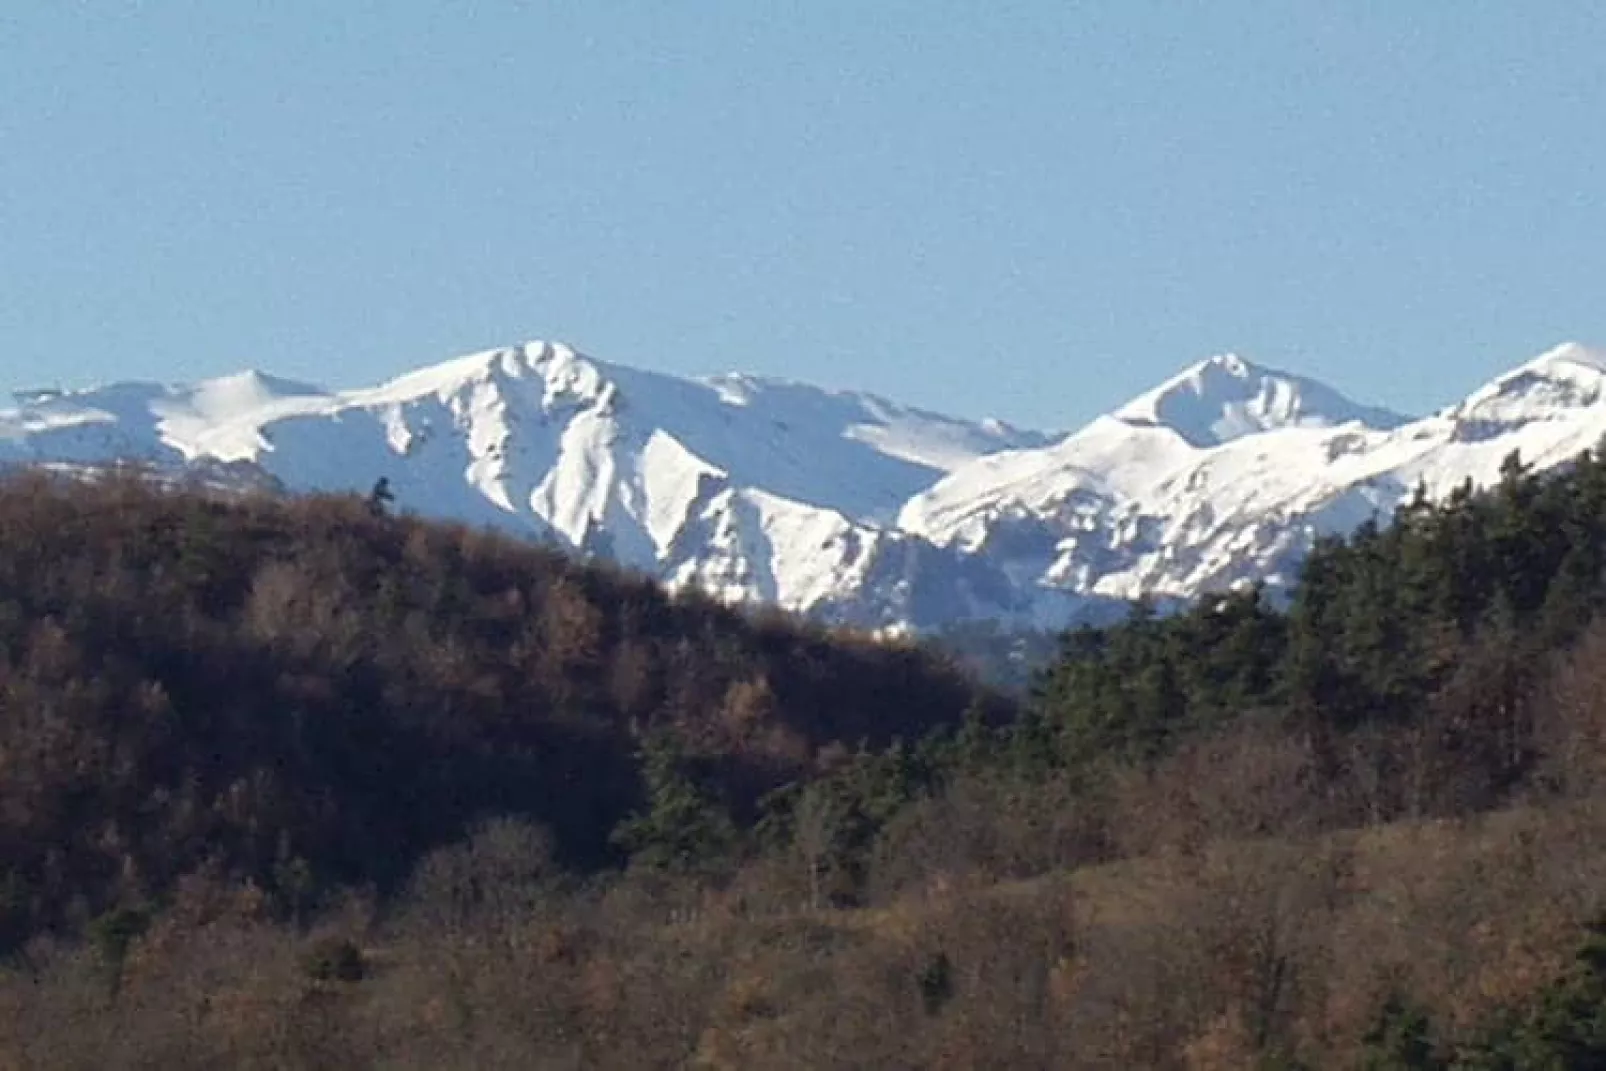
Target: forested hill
x,y
307,784
310,691
1442,621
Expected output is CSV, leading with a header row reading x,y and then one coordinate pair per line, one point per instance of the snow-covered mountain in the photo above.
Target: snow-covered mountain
x,y
755,489
1227,397
841,504
1235,482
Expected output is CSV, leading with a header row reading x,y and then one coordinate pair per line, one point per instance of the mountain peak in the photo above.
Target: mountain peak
x,y
1570,355
248,389
1563,379
552,369
1226,397
1228,363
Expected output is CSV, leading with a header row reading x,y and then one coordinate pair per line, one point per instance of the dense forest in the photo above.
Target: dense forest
x,y
306,783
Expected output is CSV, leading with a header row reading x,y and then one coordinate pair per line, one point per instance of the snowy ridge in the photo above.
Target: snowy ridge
x,y
756,489
1227,397
840,504
1234,482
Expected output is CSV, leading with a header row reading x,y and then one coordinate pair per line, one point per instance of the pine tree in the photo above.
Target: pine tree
x,y
1400,1040
1564,1028
1571,594
683,826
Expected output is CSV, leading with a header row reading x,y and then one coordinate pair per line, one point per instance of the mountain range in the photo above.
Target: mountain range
x,y
844,505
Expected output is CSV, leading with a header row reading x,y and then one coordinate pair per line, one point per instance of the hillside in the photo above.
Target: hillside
x,y
304,784
309,693
1172,962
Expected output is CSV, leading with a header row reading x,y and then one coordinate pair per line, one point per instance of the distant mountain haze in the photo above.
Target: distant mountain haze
x,y
843,505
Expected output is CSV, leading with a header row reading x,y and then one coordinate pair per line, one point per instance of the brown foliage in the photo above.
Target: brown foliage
x,y
1571,720
1249,782
992,828
1236,954
186,678
226,711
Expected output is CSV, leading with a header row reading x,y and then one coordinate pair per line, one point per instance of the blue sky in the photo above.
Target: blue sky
x,y
1025,210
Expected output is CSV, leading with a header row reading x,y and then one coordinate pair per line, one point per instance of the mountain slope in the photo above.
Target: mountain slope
x,y
755,489
1227,397
844,505
1135,505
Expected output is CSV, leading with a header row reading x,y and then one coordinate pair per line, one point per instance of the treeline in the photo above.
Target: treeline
x,y
1429,633
1420,671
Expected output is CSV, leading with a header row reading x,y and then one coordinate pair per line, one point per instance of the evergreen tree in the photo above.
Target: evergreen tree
x,y
1571,594
1400,1040
1563,1029
684,826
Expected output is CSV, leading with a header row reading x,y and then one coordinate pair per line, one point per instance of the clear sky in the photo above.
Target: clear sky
x,y
1024,210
